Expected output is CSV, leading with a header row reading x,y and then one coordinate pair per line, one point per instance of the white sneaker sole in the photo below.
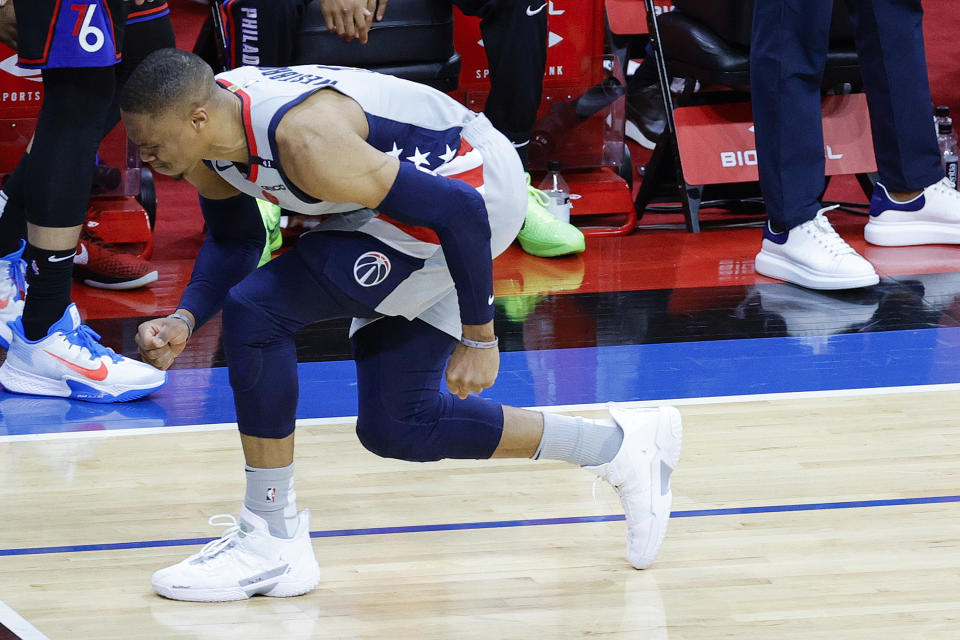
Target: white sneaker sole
x,y
774,266
125,285
17,380
905,234
669,441
279,587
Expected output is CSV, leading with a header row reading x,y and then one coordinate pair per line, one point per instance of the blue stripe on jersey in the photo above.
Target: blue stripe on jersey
x,y
427,148
272,139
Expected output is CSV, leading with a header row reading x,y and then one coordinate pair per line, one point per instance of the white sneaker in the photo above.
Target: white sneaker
x,y
640,472
813,255
933,217
13,288
244,561
69,363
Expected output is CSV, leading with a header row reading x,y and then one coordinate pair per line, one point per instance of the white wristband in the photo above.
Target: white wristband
x,y
475,344
186,321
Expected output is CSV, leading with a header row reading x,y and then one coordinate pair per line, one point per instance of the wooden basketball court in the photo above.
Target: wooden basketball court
x,y
800,516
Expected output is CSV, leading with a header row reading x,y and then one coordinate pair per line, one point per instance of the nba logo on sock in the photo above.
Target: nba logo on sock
x,y
271,494
371,269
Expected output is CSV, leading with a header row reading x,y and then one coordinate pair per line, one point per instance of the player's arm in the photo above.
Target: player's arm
x,y
231,250
324,151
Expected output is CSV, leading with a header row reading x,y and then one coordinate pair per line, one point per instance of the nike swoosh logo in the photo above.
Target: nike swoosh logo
x,y
99,374
61,259
490,300
219,168
535,11
81,257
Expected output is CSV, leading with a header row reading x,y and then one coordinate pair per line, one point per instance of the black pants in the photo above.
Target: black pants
x,y
263,33
516,46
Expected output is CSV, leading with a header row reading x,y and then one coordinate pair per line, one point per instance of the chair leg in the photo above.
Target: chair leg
x,y
867,182
691,196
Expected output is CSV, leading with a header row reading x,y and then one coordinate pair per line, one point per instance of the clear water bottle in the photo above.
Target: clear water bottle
x,y
947,139
558,191
941,114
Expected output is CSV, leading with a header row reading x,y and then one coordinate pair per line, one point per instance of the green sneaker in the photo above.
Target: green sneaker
x,y
271,222
542,234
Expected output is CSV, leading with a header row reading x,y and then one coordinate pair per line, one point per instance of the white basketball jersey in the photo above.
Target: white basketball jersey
x,y
412,122
407,120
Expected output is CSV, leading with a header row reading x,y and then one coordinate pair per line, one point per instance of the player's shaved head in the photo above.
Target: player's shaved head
x,y
168,79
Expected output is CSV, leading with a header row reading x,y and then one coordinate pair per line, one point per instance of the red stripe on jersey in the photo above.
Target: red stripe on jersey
x,y
473,177
147,12
423,234
118,54
247,125
465,147
46,48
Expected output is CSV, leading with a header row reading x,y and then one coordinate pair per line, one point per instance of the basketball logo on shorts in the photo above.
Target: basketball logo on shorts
x,y
371,269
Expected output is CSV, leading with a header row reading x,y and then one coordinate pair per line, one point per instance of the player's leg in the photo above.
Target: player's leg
x,y
261,33
51,352
515,42
404,413
914,202
271,552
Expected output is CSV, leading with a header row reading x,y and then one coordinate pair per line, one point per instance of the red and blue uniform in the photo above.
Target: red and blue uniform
x,y
410,273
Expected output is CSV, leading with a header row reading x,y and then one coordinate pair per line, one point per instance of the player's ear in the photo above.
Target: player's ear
x,y
199,118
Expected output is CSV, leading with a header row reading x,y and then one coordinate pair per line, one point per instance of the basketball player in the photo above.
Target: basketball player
x,y
419,194
50,352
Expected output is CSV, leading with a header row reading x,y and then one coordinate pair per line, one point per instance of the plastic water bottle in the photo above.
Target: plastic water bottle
x,y
947,139
941,114
558,191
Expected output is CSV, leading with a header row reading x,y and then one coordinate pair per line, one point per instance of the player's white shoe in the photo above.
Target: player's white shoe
x,y
933,217
246,560
640,472
13,287
69,362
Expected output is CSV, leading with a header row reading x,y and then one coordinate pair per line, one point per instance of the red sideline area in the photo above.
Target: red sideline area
x,y
645,259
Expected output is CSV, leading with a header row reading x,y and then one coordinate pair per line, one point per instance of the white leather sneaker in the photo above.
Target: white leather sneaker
x,y
813,255
933,217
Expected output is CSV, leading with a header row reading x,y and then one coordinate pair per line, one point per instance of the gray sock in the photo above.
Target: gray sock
x,y
579,440
270,495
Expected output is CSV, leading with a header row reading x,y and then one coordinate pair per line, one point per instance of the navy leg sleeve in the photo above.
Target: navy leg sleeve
x,y
893,64
788,51
402,411
261,315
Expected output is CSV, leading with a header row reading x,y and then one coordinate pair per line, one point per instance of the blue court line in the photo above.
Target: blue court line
x,y
618,373
497,524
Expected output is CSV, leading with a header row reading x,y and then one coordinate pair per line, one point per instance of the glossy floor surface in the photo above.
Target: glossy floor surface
x,y
817,494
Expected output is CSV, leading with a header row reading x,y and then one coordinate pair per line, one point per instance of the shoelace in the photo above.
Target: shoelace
x,y
214,547
944,186
86,338
540,196
828,237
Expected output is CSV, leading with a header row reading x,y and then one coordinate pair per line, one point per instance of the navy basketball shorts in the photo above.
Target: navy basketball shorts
x,y
54,34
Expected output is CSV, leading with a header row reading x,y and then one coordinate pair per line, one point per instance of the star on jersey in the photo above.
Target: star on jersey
x,y
419,158
395,152
448,156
